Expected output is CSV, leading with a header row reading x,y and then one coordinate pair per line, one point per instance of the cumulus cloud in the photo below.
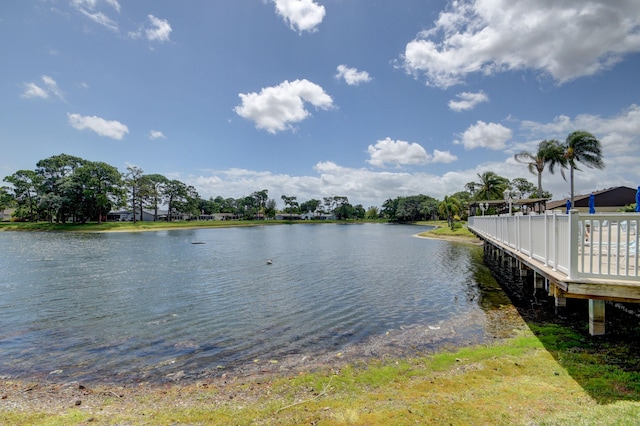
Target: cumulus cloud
x,y
301,15
467,100
352,76
360,185
563,39
619,134
109,128
32,90
486,135
388,151
159,30
156,134
443,156
275,108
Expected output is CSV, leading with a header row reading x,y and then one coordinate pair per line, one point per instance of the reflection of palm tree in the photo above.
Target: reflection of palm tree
x,y
549,152
582,147
491,186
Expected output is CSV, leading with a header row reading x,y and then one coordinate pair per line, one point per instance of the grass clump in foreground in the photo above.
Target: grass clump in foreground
x,y
548,376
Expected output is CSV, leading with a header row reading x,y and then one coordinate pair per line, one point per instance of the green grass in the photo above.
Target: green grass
x,y
546,375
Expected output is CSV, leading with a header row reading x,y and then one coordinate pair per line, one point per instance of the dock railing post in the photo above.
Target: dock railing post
x,y
574,224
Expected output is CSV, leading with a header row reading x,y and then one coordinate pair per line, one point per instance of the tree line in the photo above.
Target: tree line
x,y
64,187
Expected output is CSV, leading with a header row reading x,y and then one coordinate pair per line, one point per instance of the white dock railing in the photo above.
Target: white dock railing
x,y
581,246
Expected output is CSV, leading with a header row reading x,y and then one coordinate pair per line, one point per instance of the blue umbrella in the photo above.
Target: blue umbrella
x,y
568,206
592,204
638,200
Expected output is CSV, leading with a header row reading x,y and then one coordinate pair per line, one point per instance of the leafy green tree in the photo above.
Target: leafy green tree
x,y
152,191
310,206
6,199
180,197
290,204
526,188
270,208
450,207
582,147
57,172
261,198
134,184
491,186
550,152
26,184
343,210
99,187
372,212
389,208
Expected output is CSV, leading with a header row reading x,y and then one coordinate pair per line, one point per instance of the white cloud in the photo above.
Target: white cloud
x,y
360,185
443,156
564,39
467,100
156,134
109,128
52,86
114,4
32,90
619,135
160,30
275,108
486,135
302,15
100,19
352,76
387,151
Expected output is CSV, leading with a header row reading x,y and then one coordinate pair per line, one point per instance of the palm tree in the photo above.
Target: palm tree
x,y
449,207
491,186
582,147
549,152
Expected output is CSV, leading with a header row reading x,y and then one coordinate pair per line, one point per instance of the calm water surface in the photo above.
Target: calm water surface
x,y
130,306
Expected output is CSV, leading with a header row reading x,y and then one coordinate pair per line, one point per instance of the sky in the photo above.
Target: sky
x,y
315,98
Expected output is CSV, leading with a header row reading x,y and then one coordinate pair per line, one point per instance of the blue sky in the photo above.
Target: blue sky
x,y
313,98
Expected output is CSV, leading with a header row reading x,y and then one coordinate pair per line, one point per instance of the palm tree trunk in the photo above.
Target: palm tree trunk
x,y
571,168
539,184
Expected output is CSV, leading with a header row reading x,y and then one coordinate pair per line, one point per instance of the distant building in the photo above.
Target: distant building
x,y
606,200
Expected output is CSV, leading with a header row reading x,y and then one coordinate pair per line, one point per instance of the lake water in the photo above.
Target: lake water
x,y
156,306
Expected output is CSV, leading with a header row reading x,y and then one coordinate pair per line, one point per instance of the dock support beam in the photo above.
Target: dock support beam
x,y
596,317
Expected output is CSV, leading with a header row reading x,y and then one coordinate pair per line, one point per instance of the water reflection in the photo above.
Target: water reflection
x,y
122,306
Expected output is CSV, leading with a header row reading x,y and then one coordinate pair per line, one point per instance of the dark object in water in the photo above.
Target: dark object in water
x,y
197,242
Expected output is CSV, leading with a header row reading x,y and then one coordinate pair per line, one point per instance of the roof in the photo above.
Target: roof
x,y
617,196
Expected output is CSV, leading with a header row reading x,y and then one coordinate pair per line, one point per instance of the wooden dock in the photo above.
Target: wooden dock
x,y
573,255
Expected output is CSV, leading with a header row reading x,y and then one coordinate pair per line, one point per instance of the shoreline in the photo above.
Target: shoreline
x,y
248,383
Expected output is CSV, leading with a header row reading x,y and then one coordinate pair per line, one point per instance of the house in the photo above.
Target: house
x,y
218,216
6,214
147,216
288,216
606,200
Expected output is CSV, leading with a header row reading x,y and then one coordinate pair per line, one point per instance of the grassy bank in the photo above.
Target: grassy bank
x,y
545,375
444,231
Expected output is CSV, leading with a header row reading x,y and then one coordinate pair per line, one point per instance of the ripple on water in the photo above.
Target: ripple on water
x,y
145,305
